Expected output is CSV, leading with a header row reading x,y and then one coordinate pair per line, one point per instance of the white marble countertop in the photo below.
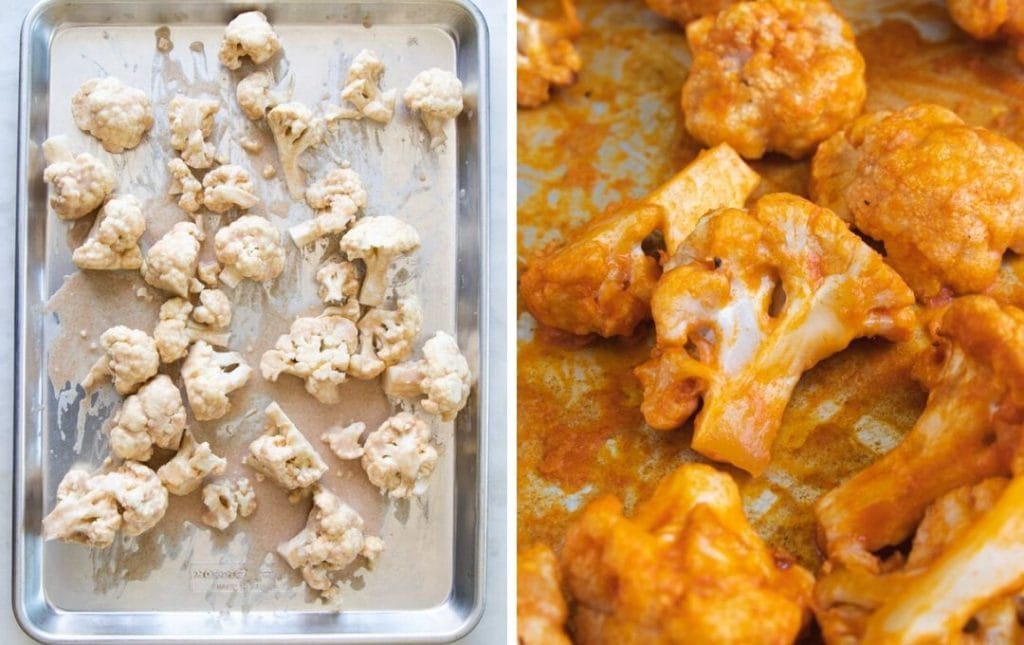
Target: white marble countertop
x,y
492,628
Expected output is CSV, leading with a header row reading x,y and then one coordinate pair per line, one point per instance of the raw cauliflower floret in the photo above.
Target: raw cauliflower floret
x,y
255,97
545,55
772,75
686,11
209,377
249,247
117,115
153,415
377,241
385,338
398,458
362,90
716,580
214,310
249,34
184,183
332,540
170,264
191,124
226,500
92,508
339,286
186,471
228,186
758,298
283,453
175,332
130,359
541,610
1003,19
113,242
437,95
336,199
317,350
79,183
442,375
344,441
295,130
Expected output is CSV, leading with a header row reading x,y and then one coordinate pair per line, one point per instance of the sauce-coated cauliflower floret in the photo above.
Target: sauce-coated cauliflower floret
x,y
226,500
78,183
772,75
249,247
545,55
317,350
225,187
437,95
130,359
214,309
191,124
757,298
186,471
345,441
385,338
113,242
991,19
92,508
945,198
117,115
442,376
248,34
283,453
209,377
541,610
398,458
339,286
686,11
153,415
175,332
336,199
184,183
171,262
362,90
332,540
377,241
255,96
686,568
295,130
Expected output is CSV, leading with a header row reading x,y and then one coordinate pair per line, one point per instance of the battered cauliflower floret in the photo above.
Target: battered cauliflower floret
x,y
339,286
249,247
757,298
208,273
317,350
772,75
175,332
226,500
191,125
686,568
113,242
249,34
153,415
184,183
1000,19
377,241
130,358
214,309
362,90
437,95
78,183
255,96
186,471
385,338
209,377
226,187
398,458
336,199
332,540
541,611
91,509
345,441
283,453
545,55
117,115
946,199
442,376
295,130
170,264
686,11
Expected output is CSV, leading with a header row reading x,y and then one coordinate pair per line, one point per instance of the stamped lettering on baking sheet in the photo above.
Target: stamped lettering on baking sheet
x,y
228,578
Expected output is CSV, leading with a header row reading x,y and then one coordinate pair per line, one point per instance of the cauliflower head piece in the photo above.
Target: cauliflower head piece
x,y
184,183
116,114
210,376
398,457
79,184
255,96
317,350
336,198
377,241
295,129
284,454
362,90
227,500
442,376
248,34
226,187
541,611
170,264
385,338
545,55
250,247
153,415
130,358
339,287
186,471
437,95
175,332
113,242
191,122
346,441
999,20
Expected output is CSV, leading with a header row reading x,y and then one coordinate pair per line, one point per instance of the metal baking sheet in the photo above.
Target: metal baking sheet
x,y
180,581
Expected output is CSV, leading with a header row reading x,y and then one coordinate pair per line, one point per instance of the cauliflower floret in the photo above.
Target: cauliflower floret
x,y
186,471
117,115
442,375
1002,19
209,377
339,286
113,242
255,96
541,610
336,199
283,453
945,198
758,298
686,11
225,187
92,508
686,568
295,130
79,183
332,540
153,415
545,55
344,441
175,332
377,241
385,338
249,247
398,458
362,89
772,75
249,34
171,262
130,359
191,124
226,500
184,183
208,273
437,95
317,350
214,309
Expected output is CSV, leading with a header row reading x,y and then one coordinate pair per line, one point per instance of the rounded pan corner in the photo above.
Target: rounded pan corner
x,y
25,622
35,13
